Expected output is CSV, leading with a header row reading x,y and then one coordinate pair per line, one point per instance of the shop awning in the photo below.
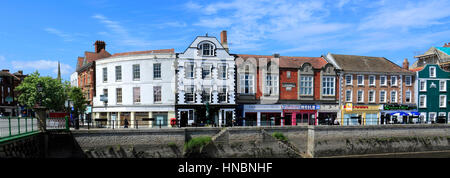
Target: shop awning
x,y
400,113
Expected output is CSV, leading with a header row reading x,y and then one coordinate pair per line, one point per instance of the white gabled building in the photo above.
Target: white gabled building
x,y
74,79
206,82
137,85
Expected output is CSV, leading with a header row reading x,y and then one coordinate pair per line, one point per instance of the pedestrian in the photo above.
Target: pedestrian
x,y
125,123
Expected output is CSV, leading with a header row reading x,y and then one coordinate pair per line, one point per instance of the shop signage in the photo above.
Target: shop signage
x,y
350,107
398,107
301,107
262,107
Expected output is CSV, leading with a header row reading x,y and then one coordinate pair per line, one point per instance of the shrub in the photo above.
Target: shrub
x,y
172,144
280,136
196,143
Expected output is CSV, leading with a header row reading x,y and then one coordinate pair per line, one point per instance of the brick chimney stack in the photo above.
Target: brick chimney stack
x,y
5,70
99,45
406,64
224,40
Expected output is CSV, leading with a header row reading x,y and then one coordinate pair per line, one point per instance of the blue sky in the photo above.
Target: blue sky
x,y
34,35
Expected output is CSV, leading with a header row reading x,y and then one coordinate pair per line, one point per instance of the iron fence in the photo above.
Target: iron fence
x,y
14,126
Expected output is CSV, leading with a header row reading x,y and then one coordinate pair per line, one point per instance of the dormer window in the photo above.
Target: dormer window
x,y
206,49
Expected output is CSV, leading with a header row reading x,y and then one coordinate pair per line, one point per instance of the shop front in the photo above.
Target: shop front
x,y
360,114
328,113
300,114
399,114
261,115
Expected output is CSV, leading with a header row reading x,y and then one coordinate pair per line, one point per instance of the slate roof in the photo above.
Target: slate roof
x,y
289,61
161,51
355,63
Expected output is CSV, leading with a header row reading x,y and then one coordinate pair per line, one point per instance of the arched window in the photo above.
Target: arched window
x,y
206,49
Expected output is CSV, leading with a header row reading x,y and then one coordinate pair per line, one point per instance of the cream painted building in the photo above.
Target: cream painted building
x,y
136,85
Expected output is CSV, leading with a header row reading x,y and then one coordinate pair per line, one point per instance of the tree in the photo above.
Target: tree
x,y
52,97
79,101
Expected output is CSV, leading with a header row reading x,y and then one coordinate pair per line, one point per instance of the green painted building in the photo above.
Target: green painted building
x,y
433,94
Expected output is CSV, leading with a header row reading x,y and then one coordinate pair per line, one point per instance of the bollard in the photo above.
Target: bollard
x,y
18,124
26,125
9,124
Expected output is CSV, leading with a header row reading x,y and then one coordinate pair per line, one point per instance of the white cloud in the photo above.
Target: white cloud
x,y
217,22
59,33
120,33
411,15
42,65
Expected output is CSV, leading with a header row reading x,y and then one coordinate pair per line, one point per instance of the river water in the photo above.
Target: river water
x,y
427,154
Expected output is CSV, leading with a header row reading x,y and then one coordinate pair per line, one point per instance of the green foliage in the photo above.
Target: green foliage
x,y
79,101
196,143
53,93
172,144
280,136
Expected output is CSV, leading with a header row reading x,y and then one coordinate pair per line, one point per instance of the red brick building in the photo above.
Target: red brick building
x,y
284,90
8,83
86,69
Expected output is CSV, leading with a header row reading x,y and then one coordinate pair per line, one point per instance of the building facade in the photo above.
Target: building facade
x,y
8,82
433,94
136,85
281,90
206,83
367,84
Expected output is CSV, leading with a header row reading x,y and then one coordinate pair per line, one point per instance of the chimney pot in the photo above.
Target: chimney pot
x,y
224,40
99,45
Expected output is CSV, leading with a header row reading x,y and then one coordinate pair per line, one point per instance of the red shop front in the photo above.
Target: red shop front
x,y
300,114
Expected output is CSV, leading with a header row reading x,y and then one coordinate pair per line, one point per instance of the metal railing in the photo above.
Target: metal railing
x,y
57,123
15,126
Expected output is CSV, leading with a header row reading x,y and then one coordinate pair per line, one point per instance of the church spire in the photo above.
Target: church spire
x,y
59,73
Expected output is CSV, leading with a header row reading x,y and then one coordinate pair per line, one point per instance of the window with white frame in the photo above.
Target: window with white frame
x,y
118,95
408,96
118,73
105,74
328,85
382,96
383,80
271,87
393,96
136,95
288,74
432,71
157,71
206,94
189,71
207,49
189,95
136,72
393,80
360,79
408,80
371,80
206,71
348,95
422,101
442,114
371,96
222,71
246,85
306,85
360,96
223,94
432,116
443,85
423,85
442,101
156,94
348,79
